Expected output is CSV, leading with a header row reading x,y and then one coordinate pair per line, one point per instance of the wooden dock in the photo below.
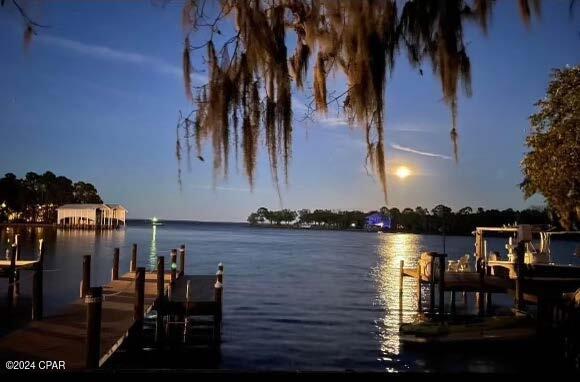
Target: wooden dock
x,y
89,331
527,283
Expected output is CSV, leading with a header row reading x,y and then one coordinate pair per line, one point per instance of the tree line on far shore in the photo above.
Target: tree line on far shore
x,y
418,220
35,197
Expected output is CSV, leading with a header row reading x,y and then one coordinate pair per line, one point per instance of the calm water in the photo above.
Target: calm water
x,y
293,299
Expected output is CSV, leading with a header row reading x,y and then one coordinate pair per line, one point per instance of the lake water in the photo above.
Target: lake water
x,y
293,299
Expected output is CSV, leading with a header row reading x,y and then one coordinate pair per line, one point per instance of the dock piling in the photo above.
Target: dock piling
x,y
115,270
401,275
159,329
217,324
11,274
488,300
520,253
94,301
139,307
442,257
432,285
133,266
181,260
37,285
453,308
16,281
173,265
481,294
86,281
419,307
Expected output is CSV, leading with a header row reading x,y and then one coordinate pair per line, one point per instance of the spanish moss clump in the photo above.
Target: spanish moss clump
x,y
187,71
251,72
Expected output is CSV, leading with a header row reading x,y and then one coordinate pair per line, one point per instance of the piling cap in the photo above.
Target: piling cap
x,y
217,285
219,272
220,264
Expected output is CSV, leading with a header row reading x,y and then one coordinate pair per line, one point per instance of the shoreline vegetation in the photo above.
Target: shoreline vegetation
x,y
34,199
440,219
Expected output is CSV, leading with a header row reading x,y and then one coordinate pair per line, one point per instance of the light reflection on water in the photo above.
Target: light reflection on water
x,y
153,249
391,250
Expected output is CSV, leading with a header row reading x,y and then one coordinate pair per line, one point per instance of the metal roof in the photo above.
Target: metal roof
x,y
91,206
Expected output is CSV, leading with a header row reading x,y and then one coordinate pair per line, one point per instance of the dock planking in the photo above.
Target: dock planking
x,y
62,337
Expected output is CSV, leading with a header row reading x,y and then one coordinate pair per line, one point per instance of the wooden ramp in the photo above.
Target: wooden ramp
x,y
62,337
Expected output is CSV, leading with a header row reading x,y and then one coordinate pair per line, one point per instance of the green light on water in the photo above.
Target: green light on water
x,y
154,220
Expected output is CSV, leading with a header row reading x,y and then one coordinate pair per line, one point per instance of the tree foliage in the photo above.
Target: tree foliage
x,y
274,43
418,220
36,197
552,166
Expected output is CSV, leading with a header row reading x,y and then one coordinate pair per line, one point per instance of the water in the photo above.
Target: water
x,y
293,299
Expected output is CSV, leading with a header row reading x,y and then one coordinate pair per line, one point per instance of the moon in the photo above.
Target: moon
x,y
402,172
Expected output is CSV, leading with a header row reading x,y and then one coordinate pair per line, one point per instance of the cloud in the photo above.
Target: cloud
x,y
418,152
110,54
333,121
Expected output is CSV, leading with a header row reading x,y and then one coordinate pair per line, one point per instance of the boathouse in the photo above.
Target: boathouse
x,y
91,215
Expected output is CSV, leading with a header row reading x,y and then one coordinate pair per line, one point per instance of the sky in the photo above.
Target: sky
x,y
96,97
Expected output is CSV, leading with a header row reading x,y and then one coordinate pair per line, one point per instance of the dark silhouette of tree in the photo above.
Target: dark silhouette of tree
x,y
35,198
85,193
412,221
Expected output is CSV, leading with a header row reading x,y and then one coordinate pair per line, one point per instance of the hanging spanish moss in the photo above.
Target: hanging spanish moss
x,y
252,73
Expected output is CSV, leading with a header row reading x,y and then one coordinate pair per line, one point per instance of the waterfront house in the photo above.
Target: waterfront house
x,y
91,215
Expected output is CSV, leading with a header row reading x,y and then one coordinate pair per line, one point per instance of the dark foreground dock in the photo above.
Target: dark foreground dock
x,y
91,329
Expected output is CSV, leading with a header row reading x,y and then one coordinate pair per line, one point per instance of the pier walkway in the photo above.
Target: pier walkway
x,y
114,316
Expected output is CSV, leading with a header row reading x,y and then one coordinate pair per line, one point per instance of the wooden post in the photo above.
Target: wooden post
x,y
160,278
419,307
159,328
221,269
16,281
220,276
401,275
139,307
115,270
452,302
94,302
182,260
488,306
11,273
520,253
133,266
86,281
442,257
432,285
480,265
37,285
173,265
218,295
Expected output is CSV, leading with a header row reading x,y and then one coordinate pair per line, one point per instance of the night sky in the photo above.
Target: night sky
x,y
96,97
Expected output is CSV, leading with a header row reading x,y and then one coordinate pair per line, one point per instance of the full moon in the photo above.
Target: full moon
x,y
402,172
